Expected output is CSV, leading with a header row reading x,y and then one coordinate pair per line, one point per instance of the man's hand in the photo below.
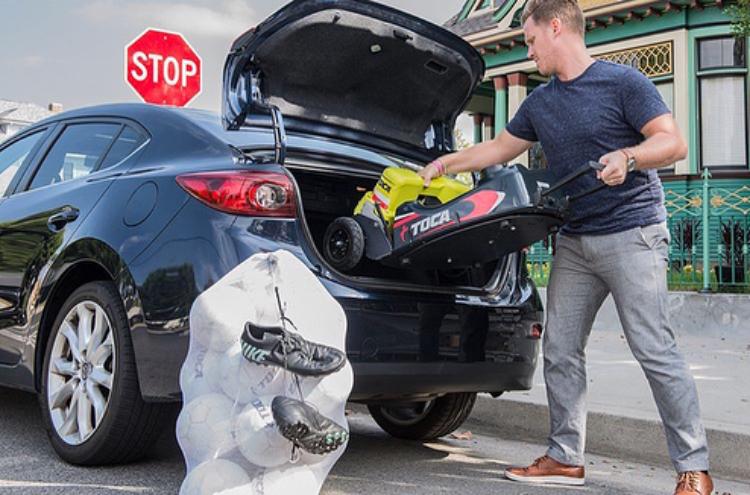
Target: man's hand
x,y
616,168
428,173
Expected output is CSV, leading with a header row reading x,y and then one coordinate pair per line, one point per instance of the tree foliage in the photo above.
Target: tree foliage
x,y
740,16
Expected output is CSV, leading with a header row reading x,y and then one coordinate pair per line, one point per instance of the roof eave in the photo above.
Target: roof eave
x,y
495,40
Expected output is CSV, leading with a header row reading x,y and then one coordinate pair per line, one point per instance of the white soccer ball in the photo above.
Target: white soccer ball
x,y
212,477
291,481
242,380
331,392
218,316
258,438
199,374
204,427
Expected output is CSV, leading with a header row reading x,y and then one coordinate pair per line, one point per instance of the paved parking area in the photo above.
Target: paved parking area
x,y
373,464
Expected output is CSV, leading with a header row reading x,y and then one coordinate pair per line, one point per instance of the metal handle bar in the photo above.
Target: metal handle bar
x,y
575,175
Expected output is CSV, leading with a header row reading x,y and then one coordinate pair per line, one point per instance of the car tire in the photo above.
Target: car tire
x,y
344,243
424,420
112,423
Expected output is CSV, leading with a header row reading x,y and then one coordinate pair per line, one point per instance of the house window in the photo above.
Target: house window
x,y
721,53
722,80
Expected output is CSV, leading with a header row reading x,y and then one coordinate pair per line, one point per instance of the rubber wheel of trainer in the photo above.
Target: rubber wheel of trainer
x,y
424,420
344,243
90,398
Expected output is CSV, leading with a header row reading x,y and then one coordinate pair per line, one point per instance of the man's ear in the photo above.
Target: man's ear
x,y
556,25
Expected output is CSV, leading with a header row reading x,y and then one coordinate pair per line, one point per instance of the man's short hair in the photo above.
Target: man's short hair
x,y
568,11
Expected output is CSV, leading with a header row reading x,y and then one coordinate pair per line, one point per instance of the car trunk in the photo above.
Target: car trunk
x,y
346,65
329,194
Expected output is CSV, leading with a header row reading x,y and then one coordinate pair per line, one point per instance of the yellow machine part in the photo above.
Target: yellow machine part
x,y
399,185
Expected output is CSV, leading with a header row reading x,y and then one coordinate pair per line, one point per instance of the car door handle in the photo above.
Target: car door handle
x,y
59,220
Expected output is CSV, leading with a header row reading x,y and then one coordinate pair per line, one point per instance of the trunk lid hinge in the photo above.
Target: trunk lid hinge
x,y
258,105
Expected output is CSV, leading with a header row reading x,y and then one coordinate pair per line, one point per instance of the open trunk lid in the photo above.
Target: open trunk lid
x,y
353,64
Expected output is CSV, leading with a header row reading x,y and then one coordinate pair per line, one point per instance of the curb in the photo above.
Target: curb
x,y
625,438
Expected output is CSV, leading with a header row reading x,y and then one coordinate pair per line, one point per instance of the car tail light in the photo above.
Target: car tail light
x,y
246,192
535,332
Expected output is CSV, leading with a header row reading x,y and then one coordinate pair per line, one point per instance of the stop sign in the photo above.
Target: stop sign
x,y
163,68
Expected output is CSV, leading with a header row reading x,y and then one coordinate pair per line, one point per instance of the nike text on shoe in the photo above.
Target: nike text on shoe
x,y
276,346
547,470
305,427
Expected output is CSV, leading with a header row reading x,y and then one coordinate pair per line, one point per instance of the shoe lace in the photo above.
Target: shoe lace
x,y
290,342
538,461
689,480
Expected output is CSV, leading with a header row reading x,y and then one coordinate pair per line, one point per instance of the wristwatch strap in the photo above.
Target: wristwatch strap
x,y
629,158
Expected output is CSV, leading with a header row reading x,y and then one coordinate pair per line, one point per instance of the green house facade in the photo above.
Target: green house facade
x,y
686,48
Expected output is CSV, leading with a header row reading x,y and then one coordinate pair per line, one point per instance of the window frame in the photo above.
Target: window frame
x,y
28,176
720,72
104,157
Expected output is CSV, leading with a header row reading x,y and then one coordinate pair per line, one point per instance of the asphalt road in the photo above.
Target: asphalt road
x,y
373,464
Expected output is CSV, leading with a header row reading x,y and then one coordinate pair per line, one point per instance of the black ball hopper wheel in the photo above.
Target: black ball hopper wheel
x,y
344,243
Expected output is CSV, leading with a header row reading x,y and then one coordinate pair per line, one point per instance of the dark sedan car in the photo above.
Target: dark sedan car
x,y
114,218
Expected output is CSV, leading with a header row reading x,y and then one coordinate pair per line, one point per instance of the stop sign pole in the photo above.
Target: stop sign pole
x,y
162,68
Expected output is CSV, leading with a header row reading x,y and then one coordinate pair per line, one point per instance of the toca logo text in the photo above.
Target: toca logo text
x,y
430,222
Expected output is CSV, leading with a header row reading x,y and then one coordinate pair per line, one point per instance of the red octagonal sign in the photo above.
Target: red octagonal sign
x,y
163,68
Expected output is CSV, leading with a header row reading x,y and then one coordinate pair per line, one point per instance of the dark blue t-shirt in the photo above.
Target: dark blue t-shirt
x,y
583,119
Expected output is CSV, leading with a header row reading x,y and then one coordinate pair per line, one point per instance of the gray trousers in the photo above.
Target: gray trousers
x,y
632,266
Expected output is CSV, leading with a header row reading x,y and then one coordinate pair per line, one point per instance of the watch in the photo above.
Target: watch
x,y
629,158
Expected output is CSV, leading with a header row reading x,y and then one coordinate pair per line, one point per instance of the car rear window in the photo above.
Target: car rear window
x,y
127,142
75,153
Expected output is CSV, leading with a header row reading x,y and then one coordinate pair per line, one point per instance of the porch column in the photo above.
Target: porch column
x,y
501,103
681,98
489,130
516,94
478,117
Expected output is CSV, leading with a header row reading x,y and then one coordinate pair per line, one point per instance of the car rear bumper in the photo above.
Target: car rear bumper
x,y
377,382
413,345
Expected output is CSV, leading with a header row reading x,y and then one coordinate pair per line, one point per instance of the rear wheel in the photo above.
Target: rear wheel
x,y
91,402
425,420
344,243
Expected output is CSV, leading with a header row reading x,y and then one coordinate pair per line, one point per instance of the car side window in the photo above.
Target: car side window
x,y
76,153
13,156
127,142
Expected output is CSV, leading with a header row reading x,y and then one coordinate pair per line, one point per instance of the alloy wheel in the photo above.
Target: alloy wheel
x,y
80,372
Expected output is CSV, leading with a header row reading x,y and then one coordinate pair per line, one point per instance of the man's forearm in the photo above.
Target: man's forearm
x,y
476,157
659,150
499,150
663,145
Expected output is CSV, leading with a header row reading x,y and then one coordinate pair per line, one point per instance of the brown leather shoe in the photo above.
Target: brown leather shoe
x,y
547,470
694,483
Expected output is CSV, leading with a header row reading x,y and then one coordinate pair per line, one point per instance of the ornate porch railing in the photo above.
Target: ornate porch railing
x,y
710,228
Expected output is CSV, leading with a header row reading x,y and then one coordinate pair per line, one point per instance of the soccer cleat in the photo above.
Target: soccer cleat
x,y
277,346
307,428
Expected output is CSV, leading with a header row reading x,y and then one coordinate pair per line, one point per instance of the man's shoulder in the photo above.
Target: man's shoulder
x,y
540,92
620,72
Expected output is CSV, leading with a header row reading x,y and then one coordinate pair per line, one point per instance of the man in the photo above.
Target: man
x,y
615,242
